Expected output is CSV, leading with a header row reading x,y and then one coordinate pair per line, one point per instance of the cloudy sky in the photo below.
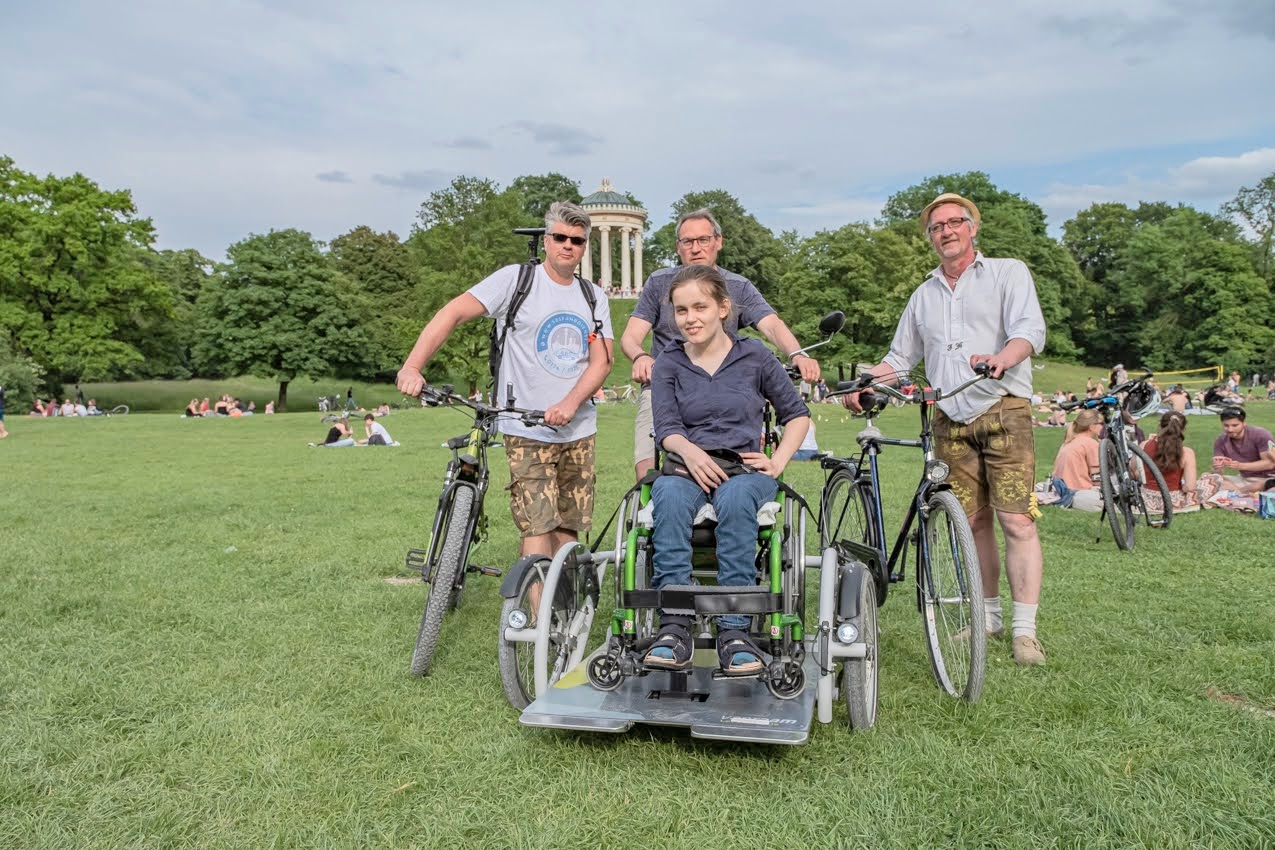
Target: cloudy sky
x,y
234,117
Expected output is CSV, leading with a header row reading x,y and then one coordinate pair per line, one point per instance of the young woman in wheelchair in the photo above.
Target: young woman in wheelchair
x,y
708,394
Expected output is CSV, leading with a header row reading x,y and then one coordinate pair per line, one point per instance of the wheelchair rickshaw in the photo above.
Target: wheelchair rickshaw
x,y
558,679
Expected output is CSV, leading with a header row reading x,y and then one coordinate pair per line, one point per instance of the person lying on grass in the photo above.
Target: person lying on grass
x,y
708,394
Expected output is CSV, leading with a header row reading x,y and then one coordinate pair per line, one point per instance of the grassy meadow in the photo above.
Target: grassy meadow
x,y
203,647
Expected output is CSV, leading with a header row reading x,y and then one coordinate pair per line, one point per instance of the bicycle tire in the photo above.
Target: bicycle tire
x,y
847,512
951,589
455,544
859,675
119,410
1114,478
1153,468
516,659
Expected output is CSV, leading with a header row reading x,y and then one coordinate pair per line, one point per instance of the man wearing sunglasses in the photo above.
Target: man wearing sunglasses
x,y
699,239
975,309
556,355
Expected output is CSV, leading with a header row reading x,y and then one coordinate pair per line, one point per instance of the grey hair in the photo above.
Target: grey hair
x,y
703,213
565,212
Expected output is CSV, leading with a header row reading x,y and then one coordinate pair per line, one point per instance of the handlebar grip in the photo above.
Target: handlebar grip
x,y
846,386
983,368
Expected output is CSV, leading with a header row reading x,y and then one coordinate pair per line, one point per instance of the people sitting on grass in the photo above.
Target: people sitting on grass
x,y
270,408
68,408
707,394
204,407
1176,462
1243,454
339,436
1057,418
37,409
376,433
93,409
1177,399
383,409
1076,465
81,409
192,409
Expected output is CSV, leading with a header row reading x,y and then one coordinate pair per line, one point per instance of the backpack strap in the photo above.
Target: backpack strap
x,y
496,345
586,287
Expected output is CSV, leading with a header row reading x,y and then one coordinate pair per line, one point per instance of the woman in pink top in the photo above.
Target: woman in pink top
x,y
1077,464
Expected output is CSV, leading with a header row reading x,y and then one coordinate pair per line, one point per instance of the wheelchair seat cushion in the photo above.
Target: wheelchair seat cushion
x,y
706,517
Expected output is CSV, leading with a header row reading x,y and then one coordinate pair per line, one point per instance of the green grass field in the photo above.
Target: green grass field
x,y
200,649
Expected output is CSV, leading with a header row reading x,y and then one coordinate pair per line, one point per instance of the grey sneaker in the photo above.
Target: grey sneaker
x,y
1028,652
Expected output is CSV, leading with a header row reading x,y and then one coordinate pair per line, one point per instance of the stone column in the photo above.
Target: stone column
x,y
638,277
626,262
604,269
586,262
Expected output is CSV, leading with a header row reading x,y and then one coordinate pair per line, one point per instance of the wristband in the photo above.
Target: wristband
x,y
643,354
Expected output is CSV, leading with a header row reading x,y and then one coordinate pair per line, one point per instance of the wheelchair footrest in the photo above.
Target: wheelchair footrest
x,y
710,599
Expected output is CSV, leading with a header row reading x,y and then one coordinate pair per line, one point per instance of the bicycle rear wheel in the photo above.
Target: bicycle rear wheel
x,y
450,561
951,589
1117,486
847,513
119,410
1156,478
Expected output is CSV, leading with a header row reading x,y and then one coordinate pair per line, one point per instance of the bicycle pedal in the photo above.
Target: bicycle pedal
x,y
417,559
495,572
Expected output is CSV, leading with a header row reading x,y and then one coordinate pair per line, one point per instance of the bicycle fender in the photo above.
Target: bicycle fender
x,y
853,575
513,576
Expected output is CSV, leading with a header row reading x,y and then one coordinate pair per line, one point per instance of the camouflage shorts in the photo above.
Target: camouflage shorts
x,y
550,484
993,458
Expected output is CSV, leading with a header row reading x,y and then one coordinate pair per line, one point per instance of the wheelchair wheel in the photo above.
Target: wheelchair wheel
x,y
567,630
951,589
859,675
1117,499
450,562
847,514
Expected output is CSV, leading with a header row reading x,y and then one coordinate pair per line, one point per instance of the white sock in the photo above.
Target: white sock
x,y
1024,620
992,610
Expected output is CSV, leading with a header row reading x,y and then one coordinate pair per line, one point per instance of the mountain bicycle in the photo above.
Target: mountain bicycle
x,y
1124,467
949,585
459,521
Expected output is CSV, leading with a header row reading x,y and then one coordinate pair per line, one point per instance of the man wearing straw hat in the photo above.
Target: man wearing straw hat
x,y
975,309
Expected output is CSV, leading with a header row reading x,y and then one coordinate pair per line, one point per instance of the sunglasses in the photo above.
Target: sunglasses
x,y
562,237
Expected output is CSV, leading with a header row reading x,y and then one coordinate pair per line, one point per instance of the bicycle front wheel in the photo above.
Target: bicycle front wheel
x,y
567,629
450,561
1155,481
119,410
1117,496
951,589
847,513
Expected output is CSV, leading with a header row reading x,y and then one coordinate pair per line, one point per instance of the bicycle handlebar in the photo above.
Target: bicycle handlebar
x,y
528,417
1101,401
870,383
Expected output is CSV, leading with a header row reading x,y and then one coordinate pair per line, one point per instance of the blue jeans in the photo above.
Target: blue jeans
x,y
675,501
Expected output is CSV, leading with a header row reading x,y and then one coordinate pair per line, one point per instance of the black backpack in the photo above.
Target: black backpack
x,y
526,276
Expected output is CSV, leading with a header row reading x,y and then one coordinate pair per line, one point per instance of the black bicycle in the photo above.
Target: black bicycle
x,y
1124,467
949,586
459,522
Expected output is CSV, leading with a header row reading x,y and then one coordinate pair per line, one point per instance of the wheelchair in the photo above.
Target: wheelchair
x,y
561,675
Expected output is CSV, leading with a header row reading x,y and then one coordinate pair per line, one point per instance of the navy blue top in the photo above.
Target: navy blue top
x,y
723,410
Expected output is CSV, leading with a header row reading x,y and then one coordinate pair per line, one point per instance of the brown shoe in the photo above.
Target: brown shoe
x,y
1028,652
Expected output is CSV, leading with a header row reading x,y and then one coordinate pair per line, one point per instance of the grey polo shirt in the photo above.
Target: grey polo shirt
x,y
994,301
748,307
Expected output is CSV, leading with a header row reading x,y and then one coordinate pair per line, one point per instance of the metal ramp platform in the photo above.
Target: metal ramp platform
x,y
719,709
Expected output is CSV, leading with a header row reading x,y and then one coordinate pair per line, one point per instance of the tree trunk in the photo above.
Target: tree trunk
x,y
283,396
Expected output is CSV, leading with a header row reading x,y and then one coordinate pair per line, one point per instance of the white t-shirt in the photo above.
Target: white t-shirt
x,y
547,350
809,444
378,428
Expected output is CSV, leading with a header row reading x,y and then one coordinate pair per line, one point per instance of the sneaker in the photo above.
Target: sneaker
x,y
1028,652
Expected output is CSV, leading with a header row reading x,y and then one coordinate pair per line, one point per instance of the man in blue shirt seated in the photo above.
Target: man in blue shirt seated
x,y
708,394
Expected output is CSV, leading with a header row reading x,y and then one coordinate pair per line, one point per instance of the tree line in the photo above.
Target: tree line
x,y
84,295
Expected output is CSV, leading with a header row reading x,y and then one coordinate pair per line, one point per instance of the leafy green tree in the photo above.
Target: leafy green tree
x,y
1255,207
538,191
453,256
167,350
76,294
382,273
279,310
20,376
451,205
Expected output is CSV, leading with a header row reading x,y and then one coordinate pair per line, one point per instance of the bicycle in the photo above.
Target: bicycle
x,y
118,410
1122,499
627,393
459,521
949,585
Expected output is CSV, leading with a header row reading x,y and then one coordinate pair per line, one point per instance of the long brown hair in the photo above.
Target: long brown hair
x,y
1083,422
1168,441
711,281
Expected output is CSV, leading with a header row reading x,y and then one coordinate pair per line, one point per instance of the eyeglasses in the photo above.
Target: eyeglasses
x,y
562,237
951,224
702,241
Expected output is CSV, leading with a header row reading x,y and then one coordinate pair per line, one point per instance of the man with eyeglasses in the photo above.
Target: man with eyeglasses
x,y
699,239
976,309
555,360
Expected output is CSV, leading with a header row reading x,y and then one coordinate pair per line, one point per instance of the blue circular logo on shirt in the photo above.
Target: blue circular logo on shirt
x,y
562,345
